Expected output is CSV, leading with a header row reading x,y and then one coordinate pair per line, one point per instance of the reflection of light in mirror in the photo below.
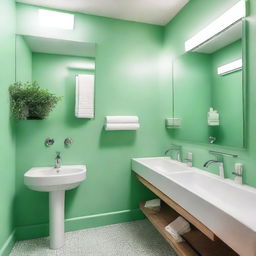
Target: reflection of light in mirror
x,y
234,14
230,67
52,19
90,65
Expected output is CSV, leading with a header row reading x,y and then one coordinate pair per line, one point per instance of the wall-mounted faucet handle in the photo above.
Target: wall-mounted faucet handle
x,y
238,170
48,142
68,142
237,174
179,156
189,159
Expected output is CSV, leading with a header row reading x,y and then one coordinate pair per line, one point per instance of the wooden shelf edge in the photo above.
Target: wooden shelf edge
x,y
190,218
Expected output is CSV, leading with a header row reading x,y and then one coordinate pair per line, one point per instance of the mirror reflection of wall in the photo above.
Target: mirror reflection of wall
x,y
211,77
54,64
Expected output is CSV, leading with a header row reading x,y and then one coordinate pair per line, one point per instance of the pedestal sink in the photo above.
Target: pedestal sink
x,y
55,181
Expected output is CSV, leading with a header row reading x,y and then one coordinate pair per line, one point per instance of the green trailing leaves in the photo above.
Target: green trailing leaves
x,y
29,101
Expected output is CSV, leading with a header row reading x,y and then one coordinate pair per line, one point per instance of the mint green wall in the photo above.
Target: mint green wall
x,y
23,60
228,97
53,73
192,83
7,149
182,27
128,82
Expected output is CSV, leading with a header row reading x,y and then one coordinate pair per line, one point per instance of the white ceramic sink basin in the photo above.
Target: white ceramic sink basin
x,y
51,179
163,165
55,181
234,199
226,208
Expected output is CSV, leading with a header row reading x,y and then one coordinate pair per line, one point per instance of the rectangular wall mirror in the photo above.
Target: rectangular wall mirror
x,y
54,64
209,90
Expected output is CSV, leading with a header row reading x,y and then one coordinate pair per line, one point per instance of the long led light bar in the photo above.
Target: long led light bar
x,y
230,67
234,14
52,19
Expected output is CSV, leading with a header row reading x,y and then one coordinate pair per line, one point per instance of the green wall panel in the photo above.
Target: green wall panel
x,y
128,82
7,149
23,60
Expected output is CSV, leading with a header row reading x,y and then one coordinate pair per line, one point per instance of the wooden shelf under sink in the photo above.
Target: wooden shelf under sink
x,y
190,218
198,242
160,221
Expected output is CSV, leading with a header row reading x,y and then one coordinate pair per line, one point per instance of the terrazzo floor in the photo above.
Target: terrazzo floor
x,y
137,238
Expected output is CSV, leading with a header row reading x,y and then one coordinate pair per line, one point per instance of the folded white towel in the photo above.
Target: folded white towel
x,y
177,228
84,96
152,203
122,126
214,122
121,119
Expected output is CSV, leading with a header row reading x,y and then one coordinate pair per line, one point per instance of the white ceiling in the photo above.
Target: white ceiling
x,y
60,46
158,12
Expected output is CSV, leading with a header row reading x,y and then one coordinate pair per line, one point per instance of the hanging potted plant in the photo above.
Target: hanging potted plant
x,y
30,102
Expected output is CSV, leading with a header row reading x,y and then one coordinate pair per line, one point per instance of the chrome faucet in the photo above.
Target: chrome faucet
x,y
176,148
57,160
221,166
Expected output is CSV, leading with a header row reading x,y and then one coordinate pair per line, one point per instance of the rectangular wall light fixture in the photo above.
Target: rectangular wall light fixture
x,y
85,65
52,19
230,67
233,15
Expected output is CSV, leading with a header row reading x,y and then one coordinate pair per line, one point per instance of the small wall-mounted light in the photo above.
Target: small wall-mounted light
x,y
52,19
233,15
230,67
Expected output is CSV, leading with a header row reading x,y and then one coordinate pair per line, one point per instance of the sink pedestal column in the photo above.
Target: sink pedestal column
x,y
56,216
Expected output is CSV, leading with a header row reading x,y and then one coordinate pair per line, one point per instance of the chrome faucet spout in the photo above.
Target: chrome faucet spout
x,y
221,166
57,160
175,148
209,162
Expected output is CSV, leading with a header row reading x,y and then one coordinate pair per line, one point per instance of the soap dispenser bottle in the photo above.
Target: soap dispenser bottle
x,y
213,117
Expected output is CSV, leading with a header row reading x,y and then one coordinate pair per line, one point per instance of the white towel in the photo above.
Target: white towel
x,y
122,126
122,123
121,119
84,96
177,228
152,203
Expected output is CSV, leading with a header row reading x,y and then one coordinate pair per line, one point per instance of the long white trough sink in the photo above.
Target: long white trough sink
x,y
226,208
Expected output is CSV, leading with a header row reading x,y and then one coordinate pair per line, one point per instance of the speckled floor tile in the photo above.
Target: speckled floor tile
x,y
137,238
